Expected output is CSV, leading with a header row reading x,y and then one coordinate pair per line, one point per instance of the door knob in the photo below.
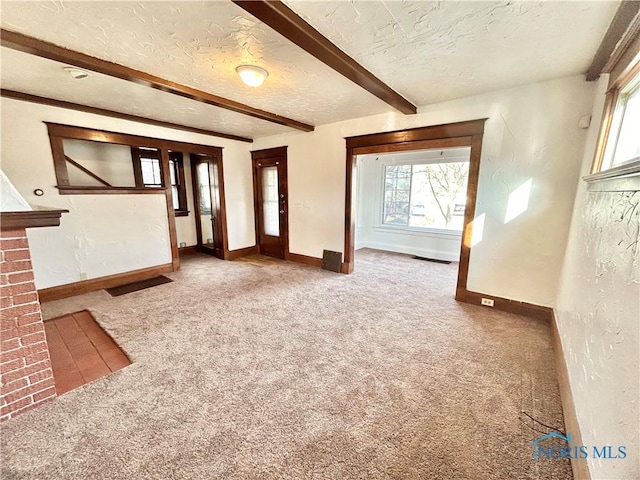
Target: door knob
x,y
281,211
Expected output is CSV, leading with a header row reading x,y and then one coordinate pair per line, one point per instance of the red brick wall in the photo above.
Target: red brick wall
x,y
26,378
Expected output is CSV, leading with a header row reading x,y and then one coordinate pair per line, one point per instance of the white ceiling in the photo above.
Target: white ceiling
x,y
46,78
435,51
427,51
197,44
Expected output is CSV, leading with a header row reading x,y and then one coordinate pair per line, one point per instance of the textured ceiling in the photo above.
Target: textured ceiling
x,y
435,51
427,51
46,78
198,44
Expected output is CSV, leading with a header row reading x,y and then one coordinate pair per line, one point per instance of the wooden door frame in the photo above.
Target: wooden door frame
x,y
217,158
257,155
460,134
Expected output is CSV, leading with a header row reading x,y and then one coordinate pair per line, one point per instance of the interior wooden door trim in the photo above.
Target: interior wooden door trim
x,y
258,156
223,207
220,227
461,134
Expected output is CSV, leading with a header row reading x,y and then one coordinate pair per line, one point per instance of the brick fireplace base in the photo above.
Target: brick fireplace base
x,y
26,379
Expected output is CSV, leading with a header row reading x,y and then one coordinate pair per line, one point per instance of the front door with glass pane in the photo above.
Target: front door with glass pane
x,y
270,188
206,193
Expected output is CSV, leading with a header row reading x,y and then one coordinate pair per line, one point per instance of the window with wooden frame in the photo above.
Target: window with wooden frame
x,y
148,174
178,185
93,162
618,149
146,167
425,194
98,162
90,162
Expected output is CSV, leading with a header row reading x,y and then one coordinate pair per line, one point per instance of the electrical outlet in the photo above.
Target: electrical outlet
x,y
183,244
83,276
487,302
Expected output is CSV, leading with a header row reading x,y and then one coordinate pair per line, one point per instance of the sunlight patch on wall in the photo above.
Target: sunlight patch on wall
x,y
477,230
518,201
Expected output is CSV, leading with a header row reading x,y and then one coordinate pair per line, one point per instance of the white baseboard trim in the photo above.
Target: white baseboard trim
x,y
409,250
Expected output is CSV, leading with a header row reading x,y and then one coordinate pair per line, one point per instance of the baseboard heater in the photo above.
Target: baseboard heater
x,y
447,262
332,261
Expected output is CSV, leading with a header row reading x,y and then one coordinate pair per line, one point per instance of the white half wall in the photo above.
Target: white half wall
x,y
107,234
598,316
101,236
531,134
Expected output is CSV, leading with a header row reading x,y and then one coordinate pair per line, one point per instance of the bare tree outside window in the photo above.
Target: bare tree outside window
x,y
446,182
426,195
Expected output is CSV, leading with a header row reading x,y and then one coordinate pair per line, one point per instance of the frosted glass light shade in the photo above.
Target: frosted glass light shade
x,y
252,75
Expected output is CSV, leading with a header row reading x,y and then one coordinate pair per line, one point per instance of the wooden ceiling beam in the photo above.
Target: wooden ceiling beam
x,y
288,24
40,48
625,24
27,97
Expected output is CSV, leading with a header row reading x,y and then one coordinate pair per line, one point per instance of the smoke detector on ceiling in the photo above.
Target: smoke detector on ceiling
x,y
76,73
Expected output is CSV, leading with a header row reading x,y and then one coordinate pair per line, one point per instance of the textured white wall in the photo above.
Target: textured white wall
x,y
238,192
10,198
186,226
101,235
105,234
531,134
598,314
370,233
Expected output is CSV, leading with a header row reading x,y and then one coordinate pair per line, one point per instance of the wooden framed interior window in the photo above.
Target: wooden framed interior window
x,y
148,174
93,162
618,149
178,185
146,167
103,165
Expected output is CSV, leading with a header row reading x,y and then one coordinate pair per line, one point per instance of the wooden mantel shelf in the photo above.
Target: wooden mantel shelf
x,y
41,217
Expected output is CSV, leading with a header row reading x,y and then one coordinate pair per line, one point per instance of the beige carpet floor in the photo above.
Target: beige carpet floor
x,y
292,372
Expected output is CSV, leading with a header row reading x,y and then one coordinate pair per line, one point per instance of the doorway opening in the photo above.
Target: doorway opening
x,y
271,201
439,137
208,200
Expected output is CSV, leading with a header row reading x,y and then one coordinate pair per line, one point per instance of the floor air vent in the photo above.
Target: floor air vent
x,y
332,261
447,262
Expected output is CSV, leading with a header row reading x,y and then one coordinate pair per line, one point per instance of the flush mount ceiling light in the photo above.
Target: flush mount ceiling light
x,y
252,75
76,73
